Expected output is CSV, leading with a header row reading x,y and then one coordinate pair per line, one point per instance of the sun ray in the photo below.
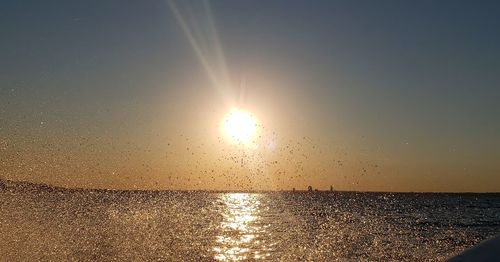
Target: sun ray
x,y
204,40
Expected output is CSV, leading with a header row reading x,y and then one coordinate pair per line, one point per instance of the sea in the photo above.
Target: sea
x,y
44,223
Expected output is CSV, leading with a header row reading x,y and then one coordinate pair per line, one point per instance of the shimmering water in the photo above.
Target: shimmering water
x,y
56,224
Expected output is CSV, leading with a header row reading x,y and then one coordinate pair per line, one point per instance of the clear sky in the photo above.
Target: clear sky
x,y
361,95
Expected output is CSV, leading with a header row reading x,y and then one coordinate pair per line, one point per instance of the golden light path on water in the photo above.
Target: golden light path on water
x,y
241,229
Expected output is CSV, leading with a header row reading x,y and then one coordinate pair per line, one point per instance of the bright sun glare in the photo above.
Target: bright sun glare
x,y
240,126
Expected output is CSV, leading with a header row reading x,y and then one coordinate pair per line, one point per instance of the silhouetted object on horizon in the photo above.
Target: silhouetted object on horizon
x,y
309,189
331,188
293,189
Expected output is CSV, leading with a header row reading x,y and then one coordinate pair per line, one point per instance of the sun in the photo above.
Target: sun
x,y
240,127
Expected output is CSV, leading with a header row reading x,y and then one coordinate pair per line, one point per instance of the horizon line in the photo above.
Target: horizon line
x,y
55,187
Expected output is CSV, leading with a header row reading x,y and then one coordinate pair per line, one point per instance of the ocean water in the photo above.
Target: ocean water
x,y
44,223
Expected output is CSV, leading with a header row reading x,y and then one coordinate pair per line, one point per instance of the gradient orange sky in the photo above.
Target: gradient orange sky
x,y
386,96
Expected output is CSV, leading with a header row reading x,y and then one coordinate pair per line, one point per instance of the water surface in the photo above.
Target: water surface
x,y
46,223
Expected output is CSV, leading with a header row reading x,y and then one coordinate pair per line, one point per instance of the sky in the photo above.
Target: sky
x,y
360,95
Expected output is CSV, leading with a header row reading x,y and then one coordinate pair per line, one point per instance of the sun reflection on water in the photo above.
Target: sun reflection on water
x,y
241,229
